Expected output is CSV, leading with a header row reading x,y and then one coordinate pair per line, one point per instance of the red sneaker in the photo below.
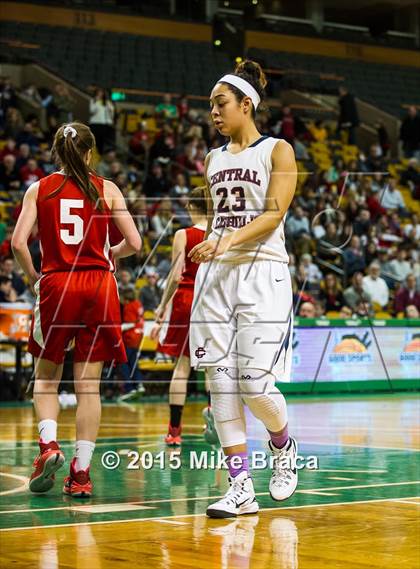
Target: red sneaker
x,y
173,438
78,484
49,460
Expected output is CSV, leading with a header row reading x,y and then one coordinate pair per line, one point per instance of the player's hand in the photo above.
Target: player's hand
x,y
32,280
154,333
208,250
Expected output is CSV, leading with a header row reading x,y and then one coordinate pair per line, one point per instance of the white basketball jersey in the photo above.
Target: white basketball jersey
x,y
238,185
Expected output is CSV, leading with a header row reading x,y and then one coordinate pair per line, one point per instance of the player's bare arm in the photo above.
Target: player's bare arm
x,y
279,196
123,219
23,229
174,277
210,210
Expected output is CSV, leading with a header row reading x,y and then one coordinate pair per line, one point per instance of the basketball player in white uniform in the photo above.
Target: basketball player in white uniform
x,y
242,315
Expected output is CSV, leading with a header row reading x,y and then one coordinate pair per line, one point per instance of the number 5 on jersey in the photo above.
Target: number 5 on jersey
x,y
76,236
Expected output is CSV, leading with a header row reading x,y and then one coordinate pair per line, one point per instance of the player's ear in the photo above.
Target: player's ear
x,y
246,105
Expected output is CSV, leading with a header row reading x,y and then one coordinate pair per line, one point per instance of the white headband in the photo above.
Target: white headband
x,y
243,85
69,130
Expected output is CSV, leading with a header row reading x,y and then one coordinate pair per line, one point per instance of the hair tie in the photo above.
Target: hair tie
x,y
70,130
244,86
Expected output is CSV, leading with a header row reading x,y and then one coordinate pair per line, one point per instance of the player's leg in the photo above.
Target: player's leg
x,y
177,397
229,419
87,377
264,345
51,458
210,433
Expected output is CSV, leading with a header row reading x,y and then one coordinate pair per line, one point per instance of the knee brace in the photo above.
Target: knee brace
x,y
263,398
227,406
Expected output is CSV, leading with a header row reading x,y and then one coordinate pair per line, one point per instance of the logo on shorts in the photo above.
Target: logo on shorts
x,y
200,352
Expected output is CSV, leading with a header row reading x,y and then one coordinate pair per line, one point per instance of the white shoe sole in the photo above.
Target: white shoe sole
x,y
245,509
44,481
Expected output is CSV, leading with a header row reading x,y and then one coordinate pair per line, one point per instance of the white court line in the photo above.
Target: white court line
x,y
20,488
200,498
340,478
172,522
279,509
408,501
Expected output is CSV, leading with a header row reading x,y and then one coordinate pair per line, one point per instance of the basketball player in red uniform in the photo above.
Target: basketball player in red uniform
x,y
180,290
76,296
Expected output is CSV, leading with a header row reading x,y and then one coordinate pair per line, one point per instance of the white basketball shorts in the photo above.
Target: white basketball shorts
x,y
242,317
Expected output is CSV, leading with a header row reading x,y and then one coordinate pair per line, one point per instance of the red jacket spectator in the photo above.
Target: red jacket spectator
x,y
407,295
133,313
31,173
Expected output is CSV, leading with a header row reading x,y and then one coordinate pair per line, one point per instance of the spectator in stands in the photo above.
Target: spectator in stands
x,y
162,221
46,163
362,222
311,271
101,120
30,173
24,153
167,108
27,136
373,203
384,263
407,295
307,310
183,107
287,125
298,223
9,148
383,138
345,312
374,285
8,96
132,332
319,309
335,171
156,185
63,103
9,174
363,310
412,312
318,131
411,177
356,293
349,117
374,161
104,166
412,230
331,293
7,292
14,123
354,257
125,280
329,246
392,198
399,267
410,133
151,294
179,195
8,270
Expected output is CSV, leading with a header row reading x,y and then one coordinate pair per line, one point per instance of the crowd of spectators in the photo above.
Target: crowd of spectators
x,y
353,239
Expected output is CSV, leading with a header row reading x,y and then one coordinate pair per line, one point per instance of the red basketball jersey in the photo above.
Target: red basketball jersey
x,y
73,234
194,236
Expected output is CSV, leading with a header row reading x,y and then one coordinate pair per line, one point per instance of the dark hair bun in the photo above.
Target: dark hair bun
x,y
251,71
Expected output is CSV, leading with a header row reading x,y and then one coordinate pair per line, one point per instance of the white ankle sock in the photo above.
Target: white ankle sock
x,y
47,430
84,451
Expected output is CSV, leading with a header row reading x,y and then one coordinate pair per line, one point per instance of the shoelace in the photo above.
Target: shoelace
x,y
234,492
281,475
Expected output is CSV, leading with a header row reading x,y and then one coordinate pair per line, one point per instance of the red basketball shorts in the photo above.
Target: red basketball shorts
x,y
175,341
82,306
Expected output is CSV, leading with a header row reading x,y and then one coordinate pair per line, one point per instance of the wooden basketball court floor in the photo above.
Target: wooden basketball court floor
x,y
359,509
